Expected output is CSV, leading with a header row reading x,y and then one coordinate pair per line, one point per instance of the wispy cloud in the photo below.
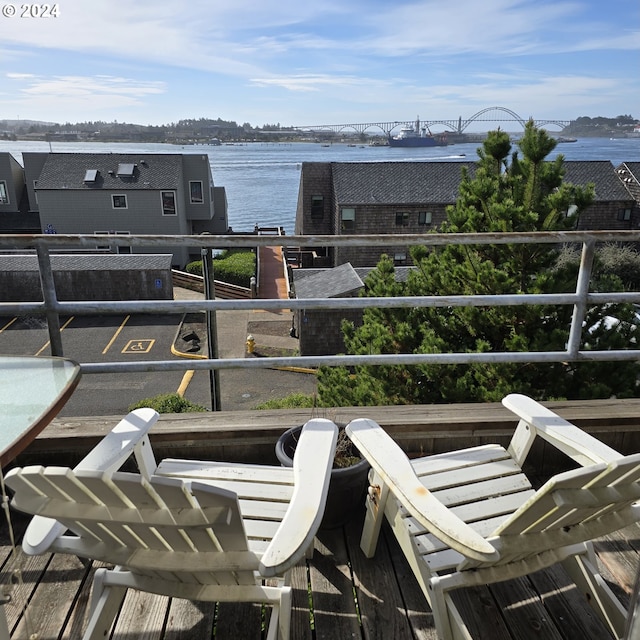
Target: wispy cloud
x,y
261,59
98,93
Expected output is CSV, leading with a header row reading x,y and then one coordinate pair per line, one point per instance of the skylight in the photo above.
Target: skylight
x,y
125,170
91,175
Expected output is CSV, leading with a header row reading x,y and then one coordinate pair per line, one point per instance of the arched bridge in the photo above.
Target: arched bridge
x,y
490,114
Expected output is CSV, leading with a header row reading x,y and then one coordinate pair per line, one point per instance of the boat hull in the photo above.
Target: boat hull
x,y
416,142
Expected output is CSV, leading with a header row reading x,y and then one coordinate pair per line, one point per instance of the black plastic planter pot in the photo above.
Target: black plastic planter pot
x,y
347,487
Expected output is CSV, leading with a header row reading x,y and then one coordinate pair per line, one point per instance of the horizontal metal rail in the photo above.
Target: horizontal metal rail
x,y
58,242
580,299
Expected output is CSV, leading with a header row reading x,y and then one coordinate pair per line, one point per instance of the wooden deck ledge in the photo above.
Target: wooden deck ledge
x,y
250,436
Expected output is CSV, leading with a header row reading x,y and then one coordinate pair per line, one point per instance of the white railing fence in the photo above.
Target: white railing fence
x,y
52,308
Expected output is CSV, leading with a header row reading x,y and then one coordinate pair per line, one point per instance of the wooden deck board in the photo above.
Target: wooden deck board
x,y
382,609
544,605
352,597
334,610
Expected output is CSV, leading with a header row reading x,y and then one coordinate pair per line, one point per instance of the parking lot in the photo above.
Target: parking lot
x,y
124,338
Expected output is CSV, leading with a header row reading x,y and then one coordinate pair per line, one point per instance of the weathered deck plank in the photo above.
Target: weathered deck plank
x,y
543,606
417,610
567,608
334,610
300,612
382,609
190,620
390,603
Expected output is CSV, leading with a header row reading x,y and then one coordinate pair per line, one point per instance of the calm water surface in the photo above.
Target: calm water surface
x,y
262,179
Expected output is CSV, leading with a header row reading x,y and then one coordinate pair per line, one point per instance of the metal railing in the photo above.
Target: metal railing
x,y
51,308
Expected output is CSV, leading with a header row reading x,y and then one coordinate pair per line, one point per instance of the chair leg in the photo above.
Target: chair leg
x,y
446,617
105,604
280,622
284,619
376,500
583,570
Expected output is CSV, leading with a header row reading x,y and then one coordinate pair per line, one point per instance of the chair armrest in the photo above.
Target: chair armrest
x,y
312,465
396,471
571,440
127,437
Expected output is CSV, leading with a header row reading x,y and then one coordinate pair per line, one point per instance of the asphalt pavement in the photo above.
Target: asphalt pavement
x,y
242,388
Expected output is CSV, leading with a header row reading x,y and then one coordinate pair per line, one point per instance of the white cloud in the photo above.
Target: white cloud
x,y
244,57
311,82
77,94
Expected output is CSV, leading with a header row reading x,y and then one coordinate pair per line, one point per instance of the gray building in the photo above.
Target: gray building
x,y
15,216
120,194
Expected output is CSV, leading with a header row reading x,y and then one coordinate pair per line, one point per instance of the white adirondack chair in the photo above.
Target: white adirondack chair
x,y
471,517
175,536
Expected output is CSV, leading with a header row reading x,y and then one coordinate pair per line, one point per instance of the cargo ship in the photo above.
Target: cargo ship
x,y
417,136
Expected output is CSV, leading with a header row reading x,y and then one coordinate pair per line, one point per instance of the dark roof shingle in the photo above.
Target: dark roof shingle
x,y
394,183
601,173
151,171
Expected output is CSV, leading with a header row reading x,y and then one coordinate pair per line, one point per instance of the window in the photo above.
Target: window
x,y
168,203
348,219
119,201
317,207
195,189
400,257
35,192
4,194
402,219
424,217
624,215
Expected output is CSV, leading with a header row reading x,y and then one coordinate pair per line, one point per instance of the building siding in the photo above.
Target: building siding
x,y
69,202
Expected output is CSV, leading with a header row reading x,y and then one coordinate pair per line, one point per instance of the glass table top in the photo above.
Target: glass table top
x,y
33,389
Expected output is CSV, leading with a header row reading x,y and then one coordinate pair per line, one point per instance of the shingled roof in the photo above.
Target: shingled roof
x,y
397,183
601,173
629,174
150,171
329,283
89,262
336,281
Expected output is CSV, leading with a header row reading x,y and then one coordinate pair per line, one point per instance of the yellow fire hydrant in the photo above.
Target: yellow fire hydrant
x,y
251,343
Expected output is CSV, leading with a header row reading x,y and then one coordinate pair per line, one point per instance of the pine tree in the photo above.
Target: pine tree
x,y
507,193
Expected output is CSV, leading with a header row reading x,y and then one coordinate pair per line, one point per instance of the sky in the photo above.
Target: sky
x,y
310,63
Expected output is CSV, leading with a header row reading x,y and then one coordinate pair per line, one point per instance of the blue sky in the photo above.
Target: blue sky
x,y
335,61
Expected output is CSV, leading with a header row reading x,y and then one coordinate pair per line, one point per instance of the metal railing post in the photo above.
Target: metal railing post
x,y
212,327
582,291
50,300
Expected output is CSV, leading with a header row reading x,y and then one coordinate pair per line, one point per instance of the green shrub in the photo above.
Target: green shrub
x,y
194,268
294,401
234,266
168,403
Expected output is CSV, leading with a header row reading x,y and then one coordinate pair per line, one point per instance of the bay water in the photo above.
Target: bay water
x,y
262,179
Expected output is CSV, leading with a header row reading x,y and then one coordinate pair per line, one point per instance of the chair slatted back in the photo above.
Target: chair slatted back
x,y
572,507
165,527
